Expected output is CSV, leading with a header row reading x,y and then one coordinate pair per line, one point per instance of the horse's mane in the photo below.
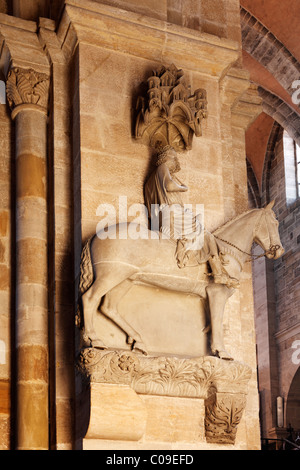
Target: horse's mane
x,y
234,219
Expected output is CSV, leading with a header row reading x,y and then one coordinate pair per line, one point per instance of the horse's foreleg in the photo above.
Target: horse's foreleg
x,y
218,295
110,309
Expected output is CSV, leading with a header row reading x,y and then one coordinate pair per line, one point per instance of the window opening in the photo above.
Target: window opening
x,y
297,155
291,168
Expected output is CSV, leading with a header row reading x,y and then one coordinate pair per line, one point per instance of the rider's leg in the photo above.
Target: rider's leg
x,y
219,273
220,277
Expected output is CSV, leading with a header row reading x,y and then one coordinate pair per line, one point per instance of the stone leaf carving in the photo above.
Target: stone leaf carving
x,y
223,413
167,376
26,86
170,115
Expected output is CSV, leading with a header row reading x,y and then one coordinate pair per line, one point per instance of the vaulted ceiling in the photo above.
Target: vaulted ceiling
x,y
271,53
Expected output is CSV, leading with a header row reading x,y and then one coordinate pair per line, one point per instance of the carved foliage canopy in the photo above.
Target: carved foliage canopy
x,y
27,86
170,114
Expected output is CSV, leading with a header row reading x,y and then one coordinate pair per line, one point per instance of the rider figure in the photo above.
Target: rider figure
x,y
162,192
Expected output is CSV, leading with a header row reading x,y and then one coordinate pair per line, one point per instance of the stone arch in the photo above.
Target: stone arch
x,y
293,403
273,139
254,196
258,197
281,112
264,47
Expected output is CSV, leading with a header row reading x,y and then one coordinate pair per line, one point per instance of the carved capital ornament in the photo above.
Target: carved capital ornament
x,y
27,87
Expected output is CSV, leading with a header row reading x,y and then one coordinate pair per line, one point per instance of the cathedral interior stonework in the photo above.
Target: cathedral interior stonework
x,y
149,225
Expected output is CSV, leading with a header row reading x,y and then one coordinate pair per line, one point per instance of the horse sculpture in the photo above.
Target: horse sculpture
x,y
110,267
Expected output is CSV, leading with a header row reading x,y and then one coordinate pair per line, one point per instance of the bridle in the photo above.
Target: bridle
x,y
271,251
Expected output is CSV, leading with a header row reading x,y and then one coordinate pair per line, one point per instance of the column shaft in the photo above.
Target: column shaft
x,y
31,262
31,277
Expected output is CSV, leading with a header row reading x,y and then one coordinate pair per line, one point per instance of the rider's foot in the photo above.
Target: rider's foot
x,y
221,278
226,280
222,354
234,283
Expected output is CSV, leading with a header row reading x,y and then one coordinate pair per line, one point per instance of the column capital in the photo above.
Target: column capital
x,y
27,89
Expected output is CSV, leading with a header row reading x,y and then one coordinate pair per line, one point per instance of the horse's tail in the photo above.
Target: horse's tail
x,y
85,281
86,268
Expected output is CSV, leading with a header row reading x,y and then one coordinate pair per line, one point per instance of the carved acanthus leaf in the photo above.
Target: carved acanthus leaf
x,y
223,413
171,376
26,86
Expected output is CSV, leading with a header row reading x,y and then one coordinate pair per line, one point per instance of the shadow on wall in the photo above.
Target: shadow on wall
x,y
2,92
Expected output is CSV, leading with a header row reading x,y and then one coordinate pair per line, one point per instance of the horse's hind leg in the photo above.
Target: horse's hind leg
x,y
90,302
110,309
106,278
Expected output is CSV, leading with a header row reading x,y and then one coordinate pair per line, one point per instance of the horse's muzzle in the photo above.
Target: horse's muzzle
x,y
275,252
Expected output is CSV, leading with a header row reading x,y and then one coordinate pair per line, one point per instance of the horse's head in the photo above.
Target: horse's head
x,y
267,234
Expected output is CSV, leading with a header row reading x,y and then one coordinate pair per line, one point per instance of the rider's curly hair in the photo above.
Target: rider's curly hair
x,y
163,155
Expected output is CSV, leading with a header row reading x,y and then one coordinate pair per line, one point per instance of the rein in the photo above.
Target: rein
x,y
271,251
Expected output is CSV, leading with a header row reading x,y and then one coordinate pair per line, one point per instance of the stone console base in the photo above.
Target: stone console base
x,y
161,402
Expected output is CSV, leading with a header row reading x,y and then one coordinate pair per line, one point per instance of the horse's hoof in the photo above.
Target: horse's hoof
x,y
98,344
130,340
222,354
139,346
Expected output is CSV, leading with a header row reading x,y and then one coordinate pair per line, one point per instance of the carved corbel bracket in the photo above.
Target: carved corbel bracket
x,y
223,413
27,88
170,114
241,96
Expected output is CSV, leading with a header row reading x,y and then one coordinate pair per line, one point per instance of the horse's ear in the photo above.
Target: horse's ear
x,y
271,205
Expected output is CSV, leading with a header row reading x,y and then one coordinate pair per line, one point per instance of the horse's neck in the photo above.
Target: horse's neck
x,y
240,232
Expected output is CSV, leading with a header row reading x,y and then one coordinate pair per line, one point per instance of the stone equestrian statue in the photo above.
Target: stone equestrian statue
x,y
110,267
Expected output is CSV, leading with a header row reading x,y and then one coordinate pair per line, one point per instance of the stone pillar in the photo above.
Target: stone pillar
x,y
27,93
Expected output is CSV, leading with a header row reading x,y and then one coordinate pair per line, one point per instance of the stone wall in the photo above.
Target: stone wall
x,y
287,273
287,279
277,296
215,17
